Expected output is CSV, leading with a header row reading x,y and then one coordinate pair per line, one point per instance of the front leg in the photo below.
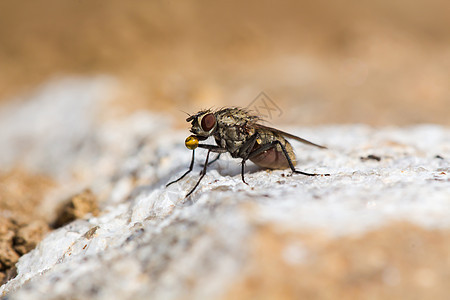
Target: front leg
x,y
211,148
187,172
202,174
214,160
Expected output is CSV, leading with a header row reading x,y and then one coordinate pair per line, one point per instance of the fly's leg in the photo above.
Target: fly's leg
x,y
291,165
202,174
242,171
245,152
187,172
215,159
211,148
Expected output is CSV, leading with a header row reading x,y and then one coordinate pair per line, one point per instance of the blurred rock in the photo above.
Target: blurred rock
x,y
21,193
77,207
17,239
8,257
49,129
378,229
28,236
22,225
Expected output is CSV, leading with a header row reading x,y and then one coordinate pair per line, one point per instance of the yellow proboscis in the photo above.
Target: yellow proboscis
x,y
191,142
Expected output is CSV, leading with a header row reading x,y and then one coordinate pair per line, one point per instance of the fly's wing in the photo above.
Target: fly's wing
x,y
288,135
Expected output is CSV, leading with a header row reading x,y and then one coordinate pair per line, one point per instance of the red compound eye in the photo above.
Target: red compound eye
x,y
208,122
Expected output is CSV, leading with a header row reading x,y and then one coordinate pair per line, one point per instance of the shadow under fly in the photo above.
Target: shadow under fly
x,y
240,133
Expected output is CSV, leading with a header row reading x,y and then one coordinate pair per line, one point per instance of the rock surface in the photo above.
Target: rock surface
x,y
377,227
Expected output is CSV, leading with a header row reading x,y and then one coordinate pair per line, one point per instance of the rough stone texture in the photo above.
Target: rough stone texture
x,y
16,239
29,235
21,224
374,228
8,257
76,208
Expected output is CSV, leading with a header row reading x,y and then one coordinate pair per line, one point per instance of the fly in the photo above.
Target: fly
x,y
240,133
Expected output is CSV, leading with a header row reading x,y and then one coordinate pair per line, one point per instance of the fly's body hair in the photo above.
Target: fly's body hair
x,y
241,133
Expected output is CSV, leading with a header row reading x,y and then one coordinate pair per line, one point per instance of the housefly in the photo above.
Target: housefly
x,y
240,133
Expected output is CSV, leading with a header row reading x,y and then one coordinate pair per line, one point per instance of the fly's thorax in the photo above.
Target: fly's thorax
x,y
235,117
233,131
231,137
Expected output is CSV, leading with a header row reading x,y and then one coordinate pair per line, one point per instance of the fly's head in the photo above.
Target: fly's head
x,y
203,124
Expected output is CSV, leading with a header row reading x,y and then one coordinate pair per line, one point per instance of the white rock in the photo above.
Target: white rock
x,y
151,243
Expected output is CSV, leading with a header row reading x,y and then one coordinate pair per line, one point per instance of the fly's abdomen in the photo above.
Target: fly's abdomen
x,y
274,158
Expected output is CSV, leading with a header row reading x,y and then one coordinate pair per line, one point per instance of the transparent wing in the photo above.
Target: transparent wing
x,y
290,136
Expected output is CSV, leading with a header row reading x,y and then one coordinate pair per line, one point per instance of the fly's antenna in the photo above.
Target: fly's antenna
x,y
185,112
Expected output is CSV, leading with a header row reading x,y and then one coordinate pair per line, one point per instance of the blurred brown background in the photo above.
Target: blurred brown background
x,y
378,62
